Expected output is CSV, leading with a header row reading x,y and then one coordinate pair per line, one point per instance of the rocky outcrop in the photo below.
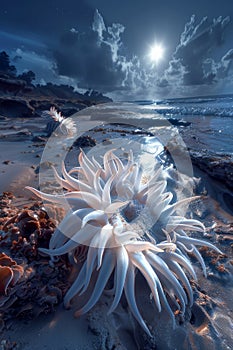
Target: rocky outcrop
x,y
24,107
32,101
219,167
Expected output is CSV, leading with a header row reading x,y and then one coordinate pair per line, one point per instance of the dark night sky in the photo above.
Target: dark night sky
x,y
71,42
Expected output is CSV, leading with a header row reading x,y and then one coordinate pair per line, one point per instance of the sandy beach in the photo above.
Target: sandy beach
x,y
36,322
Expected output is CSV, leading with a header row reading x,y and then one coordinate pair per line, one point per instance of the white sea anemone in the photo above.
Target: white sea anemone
x,y
109,207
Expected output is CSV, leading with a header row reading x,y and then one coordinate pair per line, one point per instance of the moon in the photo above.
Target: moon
x,y
156,53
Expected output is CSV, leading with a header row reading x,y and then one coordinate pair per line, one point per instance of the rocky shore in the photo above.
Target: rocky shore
x,y
21,99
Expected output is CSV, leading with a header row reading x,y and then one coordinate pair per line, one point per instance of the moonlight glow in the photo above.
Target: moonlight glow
x,y
156,53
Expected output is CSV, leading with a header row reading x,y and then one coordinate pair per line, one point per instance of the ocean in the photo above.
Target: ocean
x,y
210,117
206,123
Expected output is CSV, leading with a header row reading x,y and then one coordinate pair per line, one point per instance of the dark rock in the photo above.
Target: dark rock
x,y
67,112
178,122
39,139
219,167
41,104
84,141
15,107
27,223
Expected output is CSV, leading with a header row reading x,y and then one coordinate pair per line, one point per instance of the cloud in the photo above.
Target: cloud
x,y
42,65
98,26
9,40
26,59
92,57
73,30
44,19
95,57
98,59
222,69
191,63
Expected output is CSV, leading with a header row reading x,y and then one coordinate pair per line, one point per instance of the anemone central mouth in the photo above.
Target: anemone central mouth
x,y
132,211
